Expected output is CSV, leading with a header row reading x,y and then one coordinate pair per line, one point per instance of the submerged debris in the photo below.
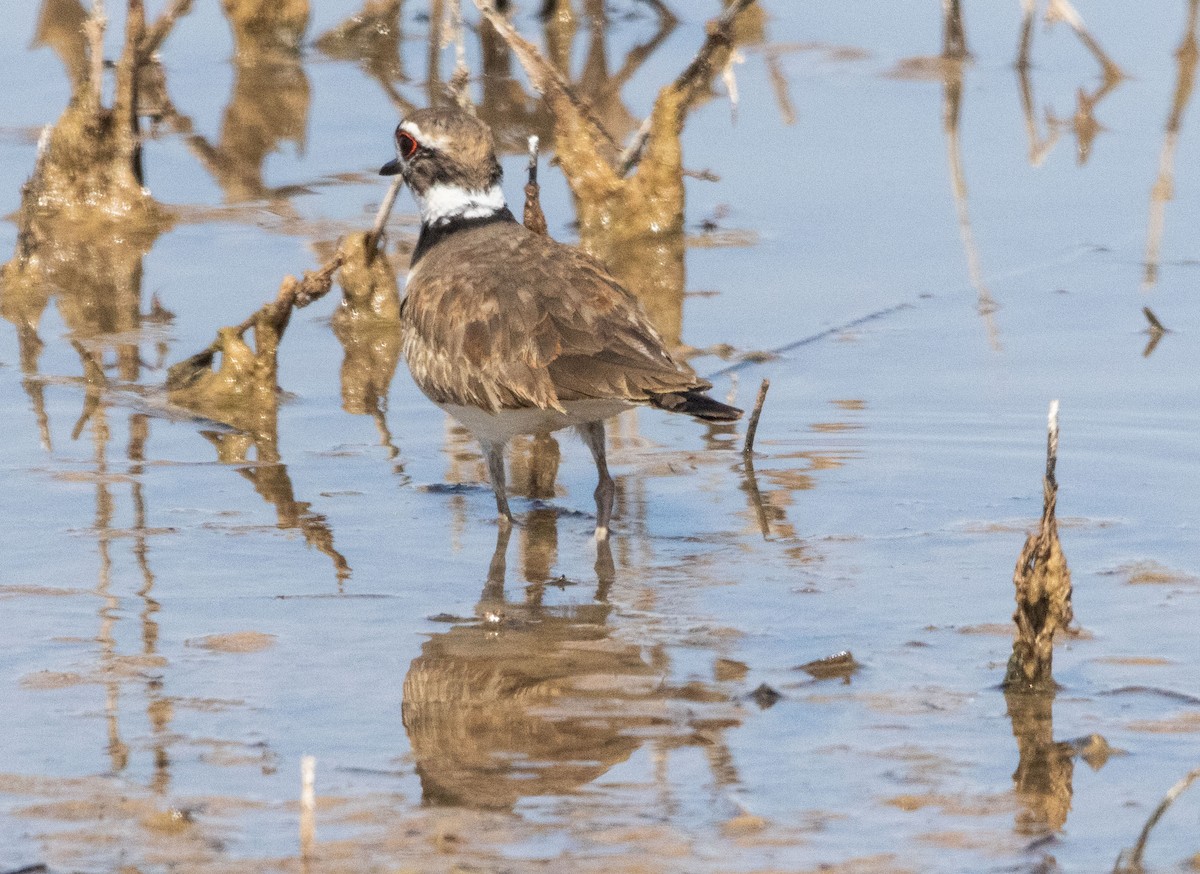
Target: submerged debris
x,y
1043,584
729,670
764,696
840,665
1093,749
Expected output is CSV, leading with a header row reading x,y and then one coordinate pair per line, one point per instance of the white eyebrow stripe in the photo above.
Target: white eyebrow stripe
x,y
423,139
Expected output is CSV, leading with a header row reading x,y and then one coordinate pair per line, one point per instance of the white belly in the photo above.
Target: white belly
x,y
502,426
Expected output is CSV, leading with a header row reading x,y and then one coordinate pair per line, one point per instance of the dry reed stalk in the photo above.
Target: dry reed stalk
x,y
1043,587
752,426
381,217
534,218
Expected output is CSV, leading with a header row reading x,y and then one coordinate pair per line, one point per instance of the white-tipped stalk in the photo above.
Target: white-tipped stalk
x,y
533,158
1052,440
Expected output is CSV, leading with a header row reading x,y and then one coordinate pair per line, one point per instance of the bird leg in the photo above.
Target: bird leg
x,y
593,435
494,452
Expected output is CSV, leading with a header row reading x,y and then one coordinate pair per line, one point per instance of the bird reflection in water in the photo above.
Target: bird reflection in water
x,y
531,699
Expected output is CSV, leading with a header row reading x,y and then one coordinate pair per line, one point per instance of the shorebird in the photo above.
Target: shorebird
x,y
511,332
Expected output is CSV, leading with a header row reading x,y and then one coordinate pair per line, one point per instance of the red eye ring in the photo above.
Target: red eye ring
x,y
407,144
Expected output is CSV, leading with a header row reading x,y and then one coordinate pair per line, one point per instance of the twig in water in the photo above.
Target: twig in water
x,y
308,777
1156,331
296,294
752,427
381,217
1156,327
1133,863
535,219
760,510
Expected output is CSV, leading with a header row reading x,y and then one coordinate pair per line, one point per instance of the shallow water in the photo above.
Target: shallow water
x,y
180,629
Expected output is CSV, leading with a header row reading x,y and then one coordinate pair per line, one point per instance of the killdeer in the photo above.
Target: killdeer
x,y
511,332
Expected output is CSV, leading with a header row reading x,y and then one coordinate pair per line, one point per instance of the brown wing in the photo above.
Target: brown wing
x,y
500,318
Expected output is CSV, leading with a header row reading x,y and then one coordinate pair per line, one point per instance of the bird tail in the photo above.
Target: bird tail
x,y
698,404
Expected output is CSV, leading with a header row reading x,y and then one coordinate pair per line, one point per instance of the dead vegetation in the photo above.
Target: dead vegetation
x,y
86,219
629,200
626,198
88,180
1043,584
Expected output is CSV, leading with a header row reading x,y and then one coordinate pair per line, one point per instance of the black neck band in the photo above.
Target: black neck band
x,y
431,235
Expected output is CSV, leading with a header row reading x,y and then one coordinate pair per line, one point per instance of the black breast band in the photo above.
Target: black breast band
x,y
431,235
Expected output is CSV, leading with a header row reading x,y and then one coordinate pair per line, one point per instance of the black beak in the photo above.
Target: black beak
x,y
391,168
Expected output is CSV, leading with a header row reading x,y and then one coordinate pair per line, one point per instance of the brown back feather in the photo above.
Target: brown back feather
x,y
501,318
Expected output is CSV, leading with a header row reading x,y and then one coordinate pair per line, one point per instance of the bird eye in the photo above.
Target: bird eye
x,y
407,144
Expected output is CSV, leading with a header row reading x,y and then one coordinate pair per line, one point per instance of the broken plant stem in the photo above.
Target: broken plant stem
x,y
779,83
1051,456
534,218
1043,588
1133,865
756,500
1062,10
533,159
760,510
1157,331
297,294
381,217
752,427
